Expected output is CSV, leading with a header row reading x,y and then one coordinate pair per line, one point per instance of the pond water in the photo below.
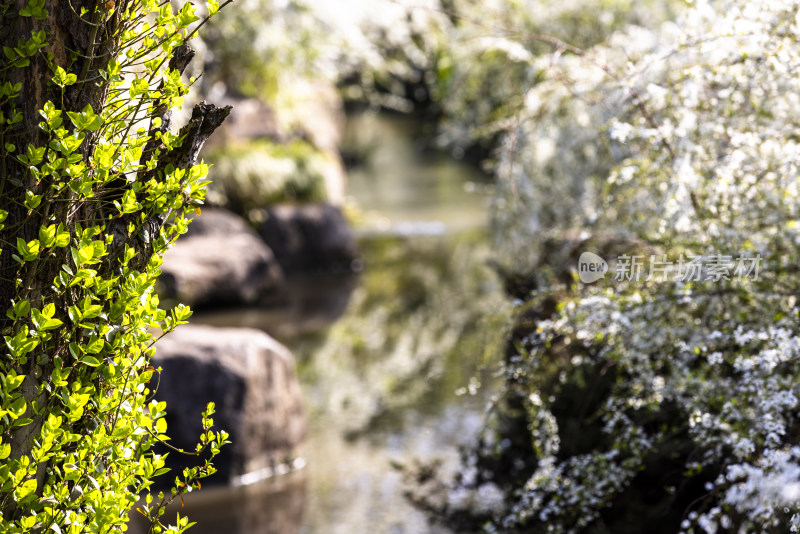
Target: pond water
x,y
403,185
390,360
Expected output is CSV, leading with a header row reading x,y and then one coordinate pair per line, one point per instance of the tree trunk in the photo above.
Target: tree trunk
x,y
83,47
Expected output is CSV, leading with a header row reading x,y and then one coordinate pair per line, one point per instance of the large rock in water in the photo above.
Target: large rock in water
x,y
251,379
310,238
221,260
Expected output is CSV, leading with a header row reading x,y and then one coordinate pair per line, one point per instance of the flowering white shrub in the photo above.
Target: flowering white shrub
x,y
686,141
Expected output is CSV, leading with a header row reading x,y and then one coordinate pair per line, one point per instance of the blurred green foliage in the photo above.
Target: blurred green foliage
x,y
250,176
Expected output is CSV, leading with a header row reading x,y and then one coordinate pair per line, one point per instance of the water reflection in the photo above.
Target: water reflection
x,y
402,185
304,305
352,486
382,386
387,360
276,506
421,323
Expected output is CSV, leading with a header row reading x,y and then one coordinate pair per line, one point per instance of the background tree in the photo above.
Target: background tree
x,y
93,189
667,400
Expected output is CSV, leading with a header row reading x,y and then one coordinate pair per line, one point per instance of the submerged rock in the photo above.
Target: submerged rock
x,y
310,238
251,379
219,261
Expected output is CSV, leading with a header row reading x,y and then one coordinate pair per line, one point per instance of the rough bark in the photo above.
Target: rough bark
x,y
81,47
75,45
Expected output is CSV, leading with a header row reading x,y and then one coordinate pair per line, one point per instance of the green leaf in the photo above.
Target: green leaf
x,y
34,157
182,312
138,87
95,346
74,314
25,489
51,114
32,201
83,275
28,250
62,236
129,203
42,322
62,79
22,421
22,308
16,408
47,235
82,255
161,426
13,382
92,311
86,119
187,16
21,344
159,472
75,350
90,361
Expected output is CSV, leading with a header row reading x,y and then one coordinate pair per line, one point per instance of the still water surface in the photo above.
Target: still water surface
x,y
389,360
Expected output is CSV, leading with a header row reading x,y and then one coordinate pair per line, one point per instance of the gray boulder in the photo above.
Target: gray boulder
x,y
310,238
251,379
221,260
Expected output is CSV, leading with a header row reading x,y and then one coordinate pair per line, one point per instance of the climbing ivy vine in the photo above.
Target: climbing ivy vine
x,y
94,187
